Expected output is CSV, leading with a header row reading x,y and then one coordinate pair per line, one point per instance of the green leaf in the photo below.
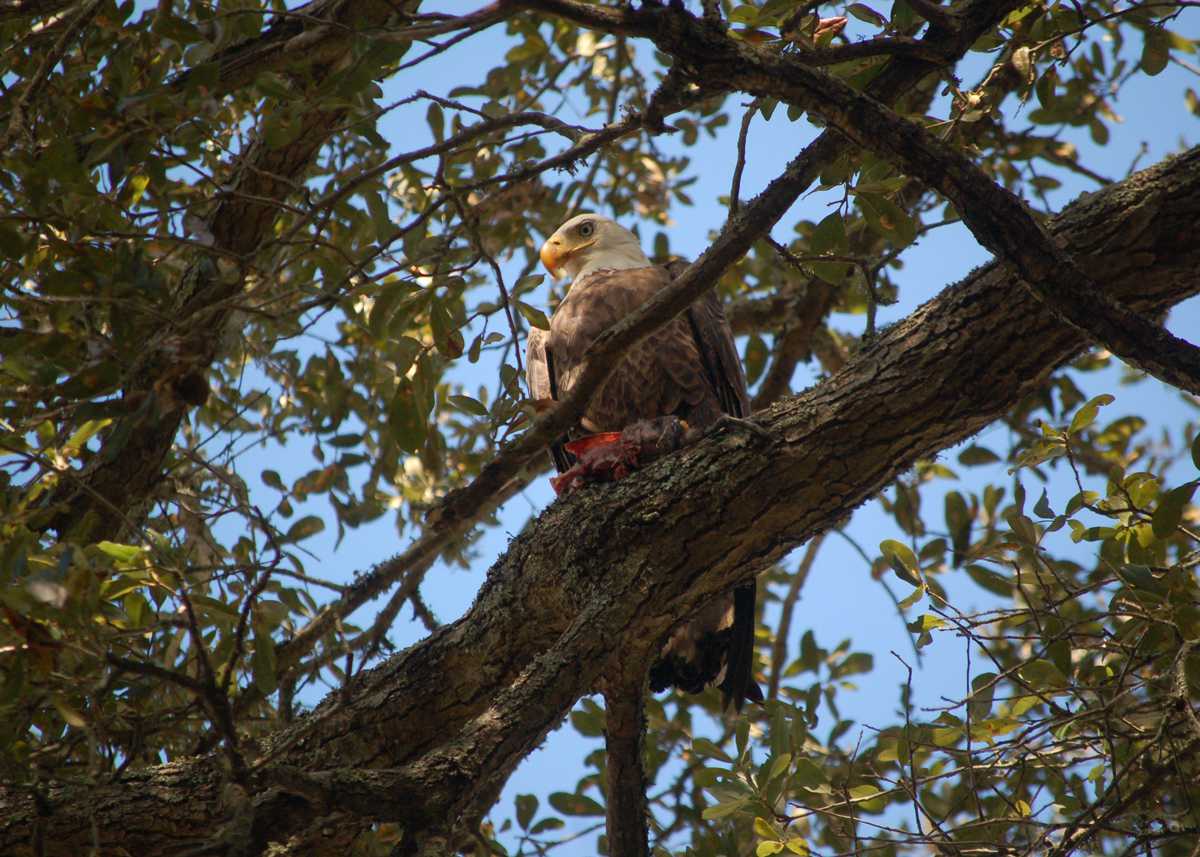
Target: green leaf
x,y
69,713
983,688
865,792
527,806
834,273
1042,508
990,580
119,552
1170,510
765,849
721,810
781,764
809,775
763,829
547,824
902,560
958,524
12,245
975,455
406,418
866,14
887,219
307,526
755,358
381,219
273,85
177,29
272,479
574,804
527,284
265,670
744,14
446,334
829,236
85,433
533,315
1086,415
1196,450
1041,674
704,747
437,122
468,405
1156,50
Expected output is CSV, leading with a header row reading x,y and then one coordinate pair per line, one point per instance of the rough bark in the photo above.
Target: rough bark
x,y
431,736
625,774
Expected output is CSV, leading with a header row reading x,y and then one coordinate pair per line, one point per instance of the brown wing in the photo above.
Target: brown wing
x,y
719,353
689,368
537,367
718,643
539,372
660,376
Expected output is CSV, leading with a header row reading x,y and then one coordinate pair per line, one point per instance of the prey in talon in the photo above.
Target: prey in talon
x,y
663,394
611,455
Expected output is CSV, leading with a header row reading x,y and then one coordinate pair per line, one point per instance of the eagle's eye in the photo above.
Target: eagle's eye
x,y
587,228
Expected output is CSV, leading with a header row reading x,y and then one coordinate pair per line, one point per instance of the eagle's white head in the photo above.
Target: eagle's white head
x,y
589,242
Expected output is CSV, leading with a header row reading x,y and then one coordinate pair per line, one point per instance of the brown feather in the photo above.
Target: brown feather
x,y
689,368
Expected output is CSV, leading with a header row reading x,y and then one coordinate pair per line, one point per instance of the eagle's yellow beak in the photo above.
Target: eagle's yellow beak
x,y
558,249
553,254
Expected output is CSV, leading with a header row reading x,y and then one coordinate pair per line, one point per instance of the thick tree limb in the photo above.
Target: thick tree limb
x,y
614,568
463,508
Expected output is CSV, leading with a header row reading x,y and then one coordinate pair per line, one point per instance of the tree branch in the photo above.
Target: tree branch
x,y
618,566
10,9
461,509
779,649
934,13
996,217
625,776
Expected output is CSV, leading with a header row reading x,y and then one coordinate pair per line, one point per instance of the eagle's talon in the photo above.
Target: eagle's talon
x,y
728,421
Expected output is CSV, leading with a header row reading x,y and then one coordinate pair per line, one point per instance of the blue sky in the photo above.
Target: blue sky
x,y
840,599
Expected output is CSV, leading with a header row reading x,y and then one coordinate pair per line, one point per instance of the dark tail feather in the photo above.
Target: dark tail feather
x,y
739,685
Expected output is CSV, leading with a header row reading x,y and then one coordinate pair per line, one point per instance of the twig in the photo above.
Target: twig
x,y
735,189
215,700
779,647
53,56
30,8
154,671
935,13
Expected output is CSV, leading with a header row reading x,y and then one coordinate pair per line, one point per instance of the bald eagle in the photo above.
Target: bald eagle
x,y
680,379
